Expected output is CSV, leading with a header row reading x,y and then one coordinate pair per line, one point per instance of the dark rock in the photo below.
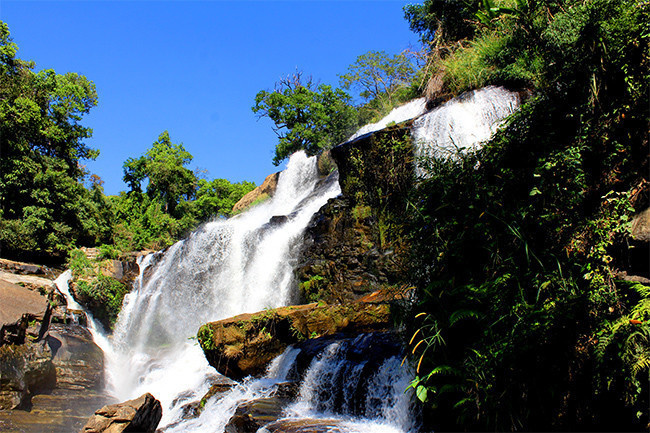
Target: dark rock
x,y
342,258
250,416
287,390
23,268
139,415
278,220
221,385
370,349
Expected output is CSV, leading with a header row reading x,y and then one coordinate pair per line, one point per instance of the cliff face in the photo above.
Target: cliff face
x,y
356,244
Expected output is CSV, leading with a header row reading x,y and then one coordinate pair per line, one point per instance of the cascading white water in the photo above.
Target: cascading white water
x,y
227,267
463,122
399,114
364,399
95,328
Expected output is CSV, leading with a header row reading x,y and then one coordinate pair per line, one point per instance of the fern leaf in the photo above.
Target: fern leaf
x,y
459,315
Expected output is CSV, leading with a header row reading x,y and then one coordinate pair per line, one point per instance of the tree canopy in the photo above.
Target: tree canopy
x,y
44,207
378,75
307,117
164,167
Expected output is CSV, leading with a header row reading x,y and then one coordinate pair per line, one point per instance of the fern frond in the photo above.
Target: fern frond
x,y
459,315
642,363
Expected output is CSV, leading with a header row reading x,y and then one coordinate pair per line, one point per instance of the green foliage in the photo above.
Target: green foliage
x,y
79,264
108,252
306,117
44,207
441,21
311,288
379,76
99,293
164,167
175,201
205,335
516,246
218,196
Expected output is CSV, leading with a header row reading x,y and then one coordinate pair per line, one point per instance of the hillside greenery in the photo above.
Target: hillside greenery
x,y
524,321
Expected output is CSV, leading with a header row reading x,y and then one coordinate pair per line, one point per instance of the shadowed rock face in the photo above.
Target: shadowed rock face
x,y
25,370
244,345
138,415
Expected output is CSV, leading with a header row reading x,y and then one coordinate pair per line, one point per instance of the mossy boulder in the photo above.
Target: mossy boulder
x,y
244,345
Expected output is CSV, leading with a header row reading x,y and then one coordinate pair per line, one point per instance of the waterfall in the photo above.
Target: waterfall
x,y
463,122
227,267
400,114
96,330
361,382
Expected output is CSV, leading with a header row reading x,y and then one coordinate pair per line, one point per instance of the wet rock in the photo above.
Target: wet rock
x,y
56,412
79,362
250,416
221,385
287,390
25,370
278,220
304,426
244,345
139,415
266,189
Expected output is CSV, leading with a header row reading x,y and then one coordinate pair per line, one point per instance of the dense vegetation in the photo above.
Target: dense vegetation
x,y
49,203
314,117
523,321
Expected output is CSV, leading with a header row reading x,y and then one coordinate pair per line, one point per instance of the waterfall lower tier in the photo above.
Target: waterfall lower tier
x,y
334,384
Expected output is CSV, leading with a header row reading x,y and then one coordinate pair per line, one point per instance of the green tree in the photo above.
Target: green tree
x,y
378,76
442,21
307,117
164,167
44,207
218,196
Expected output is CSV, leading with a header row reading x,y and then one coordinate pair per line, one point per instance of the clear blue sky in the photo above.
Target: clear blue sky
x,y
194,67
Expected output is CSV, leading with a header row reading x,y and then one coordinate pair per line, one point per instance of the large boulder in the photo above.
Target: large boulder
x,y
22,312
262,192
138,415
244,345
